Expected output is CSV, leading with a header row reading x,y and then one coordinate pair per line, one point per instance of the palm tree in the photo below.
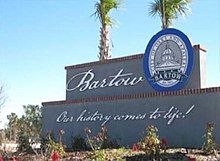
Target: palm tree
x,y
168,10
103,7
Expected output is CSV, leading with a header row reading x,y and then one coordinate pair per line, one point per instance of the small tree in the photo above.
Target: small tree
x,y
29,127
12,126
2,136
31,121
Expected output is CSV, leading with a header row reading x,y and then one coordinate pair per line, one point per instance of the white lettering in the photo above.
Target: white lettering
x,y
83,83
170,115
87,81
64,118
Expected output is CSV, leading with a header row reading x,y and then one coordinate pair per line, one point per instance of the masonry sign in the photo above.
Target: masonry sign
x,y
162,87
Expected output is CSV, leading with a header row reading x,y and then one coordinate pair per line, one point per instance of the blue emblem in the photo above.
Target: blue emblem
x,y
168,60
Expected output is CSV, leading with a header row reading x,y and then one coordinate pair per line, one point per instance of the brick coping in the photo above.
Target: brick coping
x,y
120,59
136,96
107,61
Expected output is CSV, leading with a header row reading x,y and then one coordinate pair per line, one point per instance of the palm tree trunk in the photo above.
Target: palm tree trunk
x,y
163,12
104,43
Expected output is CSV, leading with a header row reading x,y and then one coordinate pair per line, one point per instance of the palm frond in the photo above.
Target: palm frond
x,y
171,9
103,7
155,8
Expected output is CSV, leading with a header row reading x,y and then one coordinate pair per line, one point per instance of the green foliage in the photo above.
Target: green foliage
x,y
24,128
79,144
150,143
12,126
168,10
49,145
209,145
1,137
32,120
101,140
29,123
103,7
106,154
45,141
7,133
23,142
56,147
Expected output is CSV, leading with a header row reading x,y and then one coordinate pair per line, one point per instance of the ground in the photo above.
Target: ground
x,y
123,154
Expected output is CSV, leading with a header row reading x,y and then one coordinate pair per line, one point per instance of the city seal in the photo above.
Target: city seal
x,y
168,60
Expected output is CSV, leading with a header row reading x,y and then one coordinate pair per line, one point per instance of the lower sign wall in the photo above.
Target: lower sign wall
x,y
180,116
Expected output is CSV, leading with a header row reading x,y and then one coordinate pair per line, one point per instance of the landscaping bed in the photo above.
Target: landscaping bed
x,y
101,147
123,154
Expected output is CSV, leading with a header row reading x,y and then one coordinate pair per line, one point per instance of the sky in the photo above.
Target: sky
x,y
38,38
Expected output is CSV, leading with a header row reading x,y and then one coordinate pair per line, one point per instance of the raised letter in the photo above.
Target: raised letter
x,y
83,83
62,116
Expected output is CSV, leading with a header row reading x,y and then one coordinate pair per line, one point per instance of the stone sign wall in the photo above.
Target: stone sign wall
x,y
180,116
115,93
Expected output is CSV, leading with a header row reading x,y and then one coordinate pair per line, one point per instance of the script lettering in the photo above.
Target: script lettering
x,y
170,115
88,82
63,117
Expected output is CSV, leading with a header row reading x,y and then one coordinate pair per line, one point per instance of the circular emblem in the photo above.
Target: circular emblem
x,y
168,60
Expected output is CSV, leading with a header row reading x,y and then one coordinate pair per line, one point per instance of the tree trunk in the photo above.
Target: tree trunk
x,y
14,133
104,43
163,11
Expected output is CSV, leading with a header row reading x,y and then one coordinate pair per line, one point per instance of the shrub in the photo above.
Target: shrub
x,y
106,154
45,141
209,145
163,144
49,147
101,140
150,143
79,144
23,143
56,147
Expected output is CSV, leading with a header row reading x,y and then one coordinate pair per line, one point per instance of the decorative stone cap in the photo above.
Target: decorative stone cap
x,y
136,96
107,61
199,47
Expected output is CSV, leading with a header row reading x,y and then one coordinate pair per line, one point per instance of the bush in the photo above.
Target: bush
x,y
150,144
49,146
106,154
79,144
209,145
101,140
56,147
23,143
